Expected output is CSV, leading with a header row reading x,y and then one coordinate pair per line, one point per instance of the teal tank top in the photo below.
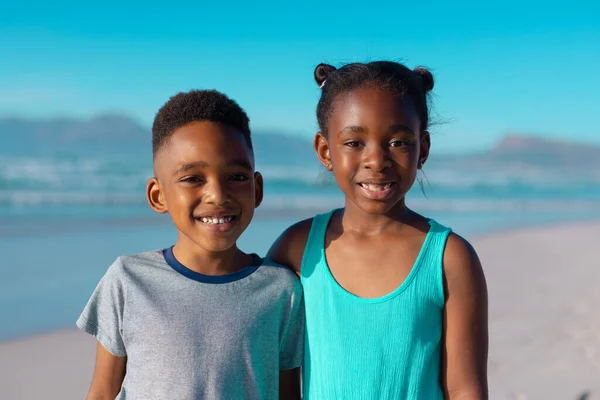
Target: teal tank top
x,y
373,348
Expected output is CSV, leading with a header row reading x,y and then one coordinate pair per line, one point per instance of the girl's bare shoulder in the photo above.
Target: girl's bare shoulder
x,y
462,268
288,249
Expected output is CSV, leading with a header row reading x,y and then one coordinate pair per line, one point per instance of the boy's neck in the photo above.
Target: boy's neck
x,y
210,263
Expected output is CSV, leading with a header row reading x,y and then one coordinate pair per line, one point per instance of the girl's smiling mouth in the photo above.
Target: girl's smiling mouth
x,y
377,190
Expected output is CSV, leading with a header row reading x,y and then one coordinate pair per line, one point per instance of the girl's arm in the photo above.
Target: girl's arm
x,y
288,249
289,384
465,351
109,373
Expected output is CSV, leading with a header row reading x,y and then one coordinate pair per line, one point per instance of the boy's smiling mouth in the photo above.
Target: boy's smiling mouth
x,y
220,221
217,220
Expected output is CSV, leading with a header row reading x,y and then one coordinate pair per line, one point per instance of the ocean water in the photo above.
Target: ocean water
x,y
64,219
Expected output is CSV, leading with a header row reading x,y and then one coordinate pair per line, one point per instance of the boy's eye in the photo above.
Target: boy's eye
x,y
191,179
352,144
239,177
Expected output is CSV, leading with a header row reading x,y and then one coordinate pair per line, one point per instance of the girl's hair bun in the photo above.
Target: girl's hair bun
x,y
322,72
426,78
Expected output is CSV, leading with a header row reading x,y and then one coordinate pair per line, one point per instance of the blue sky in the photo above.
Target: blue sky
x,y
517,66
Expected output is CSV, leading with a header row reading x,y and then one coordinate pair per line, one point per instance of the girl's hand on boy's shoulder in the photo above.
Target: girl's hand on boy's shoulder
x,y
288,249
465,322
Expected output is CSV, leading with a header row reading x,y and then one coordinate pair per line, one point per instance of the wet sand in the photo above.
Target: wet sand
x,y
544,288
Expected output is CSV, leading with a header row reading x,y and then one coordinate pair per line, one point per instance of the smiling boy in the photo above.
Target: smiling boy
x,y
201,319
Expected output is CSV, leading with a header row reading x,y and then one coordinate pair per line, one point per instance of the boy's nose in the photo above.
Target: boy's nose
x,y
215,193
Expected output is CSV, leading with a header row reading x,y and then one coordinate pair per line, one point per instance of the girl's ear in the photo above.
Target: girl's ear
x,y
155,196
425,146
322,149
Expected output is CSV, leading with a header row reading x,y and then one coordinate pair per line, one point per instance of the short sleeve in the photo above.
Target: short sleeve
x,y
102,317
291,349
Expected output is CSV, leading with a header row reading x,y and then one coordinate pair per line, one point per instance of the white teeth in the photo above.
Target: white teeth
x,y
209,220
375,187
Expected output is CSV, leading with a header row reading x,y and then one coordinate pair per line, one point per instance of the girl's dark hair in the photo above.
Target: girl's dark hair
x,y
397,78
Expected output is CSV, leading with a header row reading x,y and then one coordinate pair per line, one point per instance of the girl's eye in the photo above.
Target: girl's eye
x,y
239,177
352,144
398,143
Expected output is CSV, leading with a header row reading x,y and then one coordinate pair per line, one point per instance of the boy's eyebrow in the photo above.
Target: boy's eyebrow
x,y
353,129
203,164
242,164
187,166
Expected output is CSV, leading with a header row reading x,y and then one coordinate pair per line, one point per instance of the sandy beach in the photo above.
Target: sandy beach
x,y
544,289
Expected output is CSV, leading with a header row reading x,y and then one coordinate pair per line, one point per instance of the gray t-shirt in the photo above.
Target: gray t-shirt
x,y
193,336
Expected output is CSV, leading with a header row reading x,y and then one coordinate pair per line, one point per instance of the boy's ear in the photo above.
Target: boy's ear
x,y
322,149
258,189
155,196
424,149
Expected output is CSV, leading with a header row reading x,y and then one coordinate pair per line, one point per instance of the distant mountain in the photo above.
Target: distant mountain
x,y
113,133
64,135
521,160
545,151
515,143
530,150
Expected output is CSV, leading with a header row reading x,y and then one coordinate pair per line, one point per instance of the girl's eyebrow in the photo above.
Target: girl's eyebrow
x,y
391,129
401,128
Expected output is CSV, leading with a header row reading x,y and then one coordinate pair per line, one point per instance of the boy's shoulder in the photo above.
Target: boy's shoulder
x,y
147,257
134,263
280,274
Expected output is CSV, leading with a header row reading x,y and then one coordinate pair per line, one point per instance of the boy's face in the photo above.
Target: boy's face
x,y
205,180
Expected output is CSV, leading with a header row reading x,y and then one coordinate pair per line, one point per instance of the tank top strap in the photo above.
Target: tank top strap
x,y
315,244
431,261
437,242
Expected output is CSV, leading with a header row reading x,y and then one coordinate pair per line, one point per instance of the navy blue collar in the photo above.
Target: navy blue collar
x,y
232,277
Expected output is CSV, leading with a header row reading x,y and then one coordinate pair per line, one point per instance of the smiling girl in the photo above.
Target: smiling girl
x,y
396,304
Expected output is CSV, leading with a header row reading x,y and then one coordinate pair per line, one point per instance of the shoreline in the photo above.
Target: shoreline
x,y
490,234
14,227
544,288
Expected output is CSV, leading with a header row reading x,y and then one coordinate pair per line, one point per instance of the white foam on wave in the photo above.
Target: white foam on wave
x,y
118,172
82,173
114,202
27,198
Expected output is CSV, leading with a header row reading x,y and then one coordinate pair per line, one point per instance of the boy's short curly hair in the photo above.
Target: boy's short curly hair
x,y
197,105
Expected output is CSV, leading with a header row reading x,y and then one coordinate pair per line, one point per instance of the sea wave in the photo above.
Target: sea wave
x,y
31,180
69,201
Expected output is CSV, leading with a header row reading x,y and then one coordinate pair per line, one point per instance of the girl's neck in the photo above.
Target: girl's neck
x,y
359,222
208,262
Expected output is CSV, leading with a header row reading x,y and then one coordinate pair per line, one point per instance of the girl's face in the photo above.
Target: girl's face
x,y
374,147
